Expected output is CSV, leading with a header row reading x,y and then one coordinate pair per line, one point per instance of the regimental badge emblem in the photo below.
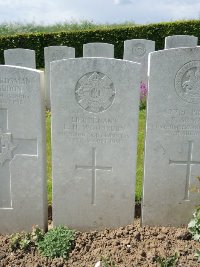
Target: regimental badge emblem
x,y
6,147
139,50
187,82
95,92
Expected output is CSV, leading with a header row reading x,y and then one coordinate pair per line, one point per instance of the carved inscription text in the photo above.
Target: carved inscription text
x,y
11,90
93,130
178,121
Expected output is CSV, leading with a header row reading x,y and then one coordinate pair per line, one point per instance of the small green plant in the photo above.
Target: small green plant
x,y
107,262
37,234
197,255
167,262
194,225
15,242
24,241
57,242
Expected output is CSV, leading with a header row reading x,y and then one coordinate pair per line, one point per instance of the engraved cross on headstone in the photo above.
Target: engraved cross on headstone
x,y
9,147
93,168
188,164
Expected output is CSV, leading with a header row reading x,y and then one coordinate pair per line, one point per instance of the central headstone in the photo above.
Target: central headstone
x,y
95,104
20,57
176,41
172,148
23,199
98,50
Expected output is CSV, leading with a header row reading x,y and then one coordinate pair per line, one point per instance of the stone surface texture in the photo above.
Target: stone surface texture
x,y
98,50
23,198
94,141
20,57
172,147
53,53
137,50
176,41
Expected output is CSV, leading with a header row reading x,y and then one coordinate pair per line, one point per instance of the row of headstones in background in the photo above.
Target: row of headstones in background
x,y
23,196
26,58
136,50
94,131
133,49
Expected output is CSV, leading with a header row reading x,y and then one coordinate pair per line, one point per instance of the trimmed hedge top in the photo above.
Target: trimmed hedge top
x,y
116,36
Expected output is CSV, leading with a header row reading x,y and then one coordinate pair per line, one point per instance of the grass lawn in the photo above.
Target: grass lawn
x,y
48,147
140,154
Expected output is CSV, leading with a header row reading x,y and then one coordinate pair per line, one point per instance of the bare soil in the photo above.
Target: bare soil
x,y
127,246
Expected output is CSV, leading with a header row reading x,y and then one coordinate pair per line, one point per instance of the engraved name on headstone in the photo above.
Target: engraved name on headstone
x,y
23,201
176,41
94,141
98,50
172,147
20,57
53,53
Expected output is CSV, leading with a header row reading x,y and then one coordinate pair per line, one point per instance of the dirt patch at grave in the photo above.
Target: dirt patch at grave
x,y
127,246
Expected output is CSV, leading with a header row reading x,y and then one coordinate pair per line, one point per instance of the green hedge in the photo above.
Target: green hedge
x,y
116,36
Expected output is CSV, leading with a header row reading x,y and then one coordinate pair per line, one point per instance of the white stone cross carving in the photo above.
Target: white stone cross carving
x,y
94,167
188,164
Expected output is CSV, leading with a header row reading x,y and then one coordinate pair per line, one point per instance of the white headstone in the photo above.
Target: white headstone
x,y
137,50
98,50
20,57
94,140
172,147
53,53
23,201
176,41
